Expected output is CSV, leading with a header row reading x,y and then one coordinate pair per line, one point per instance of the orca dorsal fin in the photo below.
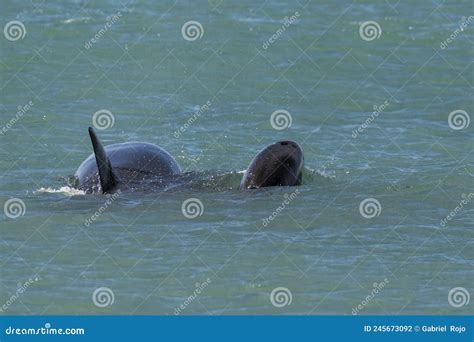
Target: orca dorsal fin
x,y
106,175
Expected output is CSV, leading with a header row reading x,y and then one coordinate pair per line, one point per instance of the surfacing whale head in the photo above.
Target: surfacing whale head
x,y
279,164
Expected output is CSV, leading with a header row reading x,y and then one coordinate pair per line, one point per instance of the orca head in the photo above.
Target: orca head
x,y
279,164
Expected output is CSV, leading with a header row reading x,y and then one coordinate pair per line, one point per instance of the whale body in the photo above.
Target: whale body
x,y
140,165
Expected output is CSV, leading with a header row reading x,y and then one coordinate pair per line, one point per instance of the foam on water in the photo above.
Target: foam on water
x,y
66,190
76,20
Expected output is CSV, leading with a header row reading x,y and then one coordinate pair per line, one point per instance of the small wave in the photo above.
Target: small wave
x,y
326,173
63,190
310,173
76,20
247,19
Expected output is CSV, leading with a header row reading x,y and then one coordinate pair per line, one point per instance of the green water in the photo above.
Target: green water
x,y
153,81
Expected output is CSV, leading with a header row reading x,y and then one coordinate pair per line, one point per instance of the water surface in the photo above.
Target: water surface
x,y
319,69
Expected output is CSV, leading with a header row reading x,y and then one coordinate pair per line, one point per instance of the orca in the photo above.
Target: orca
x,y
123,165
280,164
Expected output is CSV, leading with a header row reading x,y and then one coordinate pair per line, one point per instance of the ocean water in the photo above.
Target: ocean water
x,y
383,223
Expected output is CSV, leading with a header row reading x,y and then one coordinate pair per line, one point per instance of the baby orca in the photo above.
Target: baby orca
x,y
280,164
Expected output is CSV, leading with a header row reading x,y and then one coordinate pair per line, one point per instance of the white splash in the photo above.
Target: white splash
x,y
76,20
68,191
324,172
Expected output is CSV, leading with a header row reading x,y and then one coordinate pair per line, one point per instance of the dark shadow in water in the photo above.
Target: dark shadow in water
x,y
211,180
